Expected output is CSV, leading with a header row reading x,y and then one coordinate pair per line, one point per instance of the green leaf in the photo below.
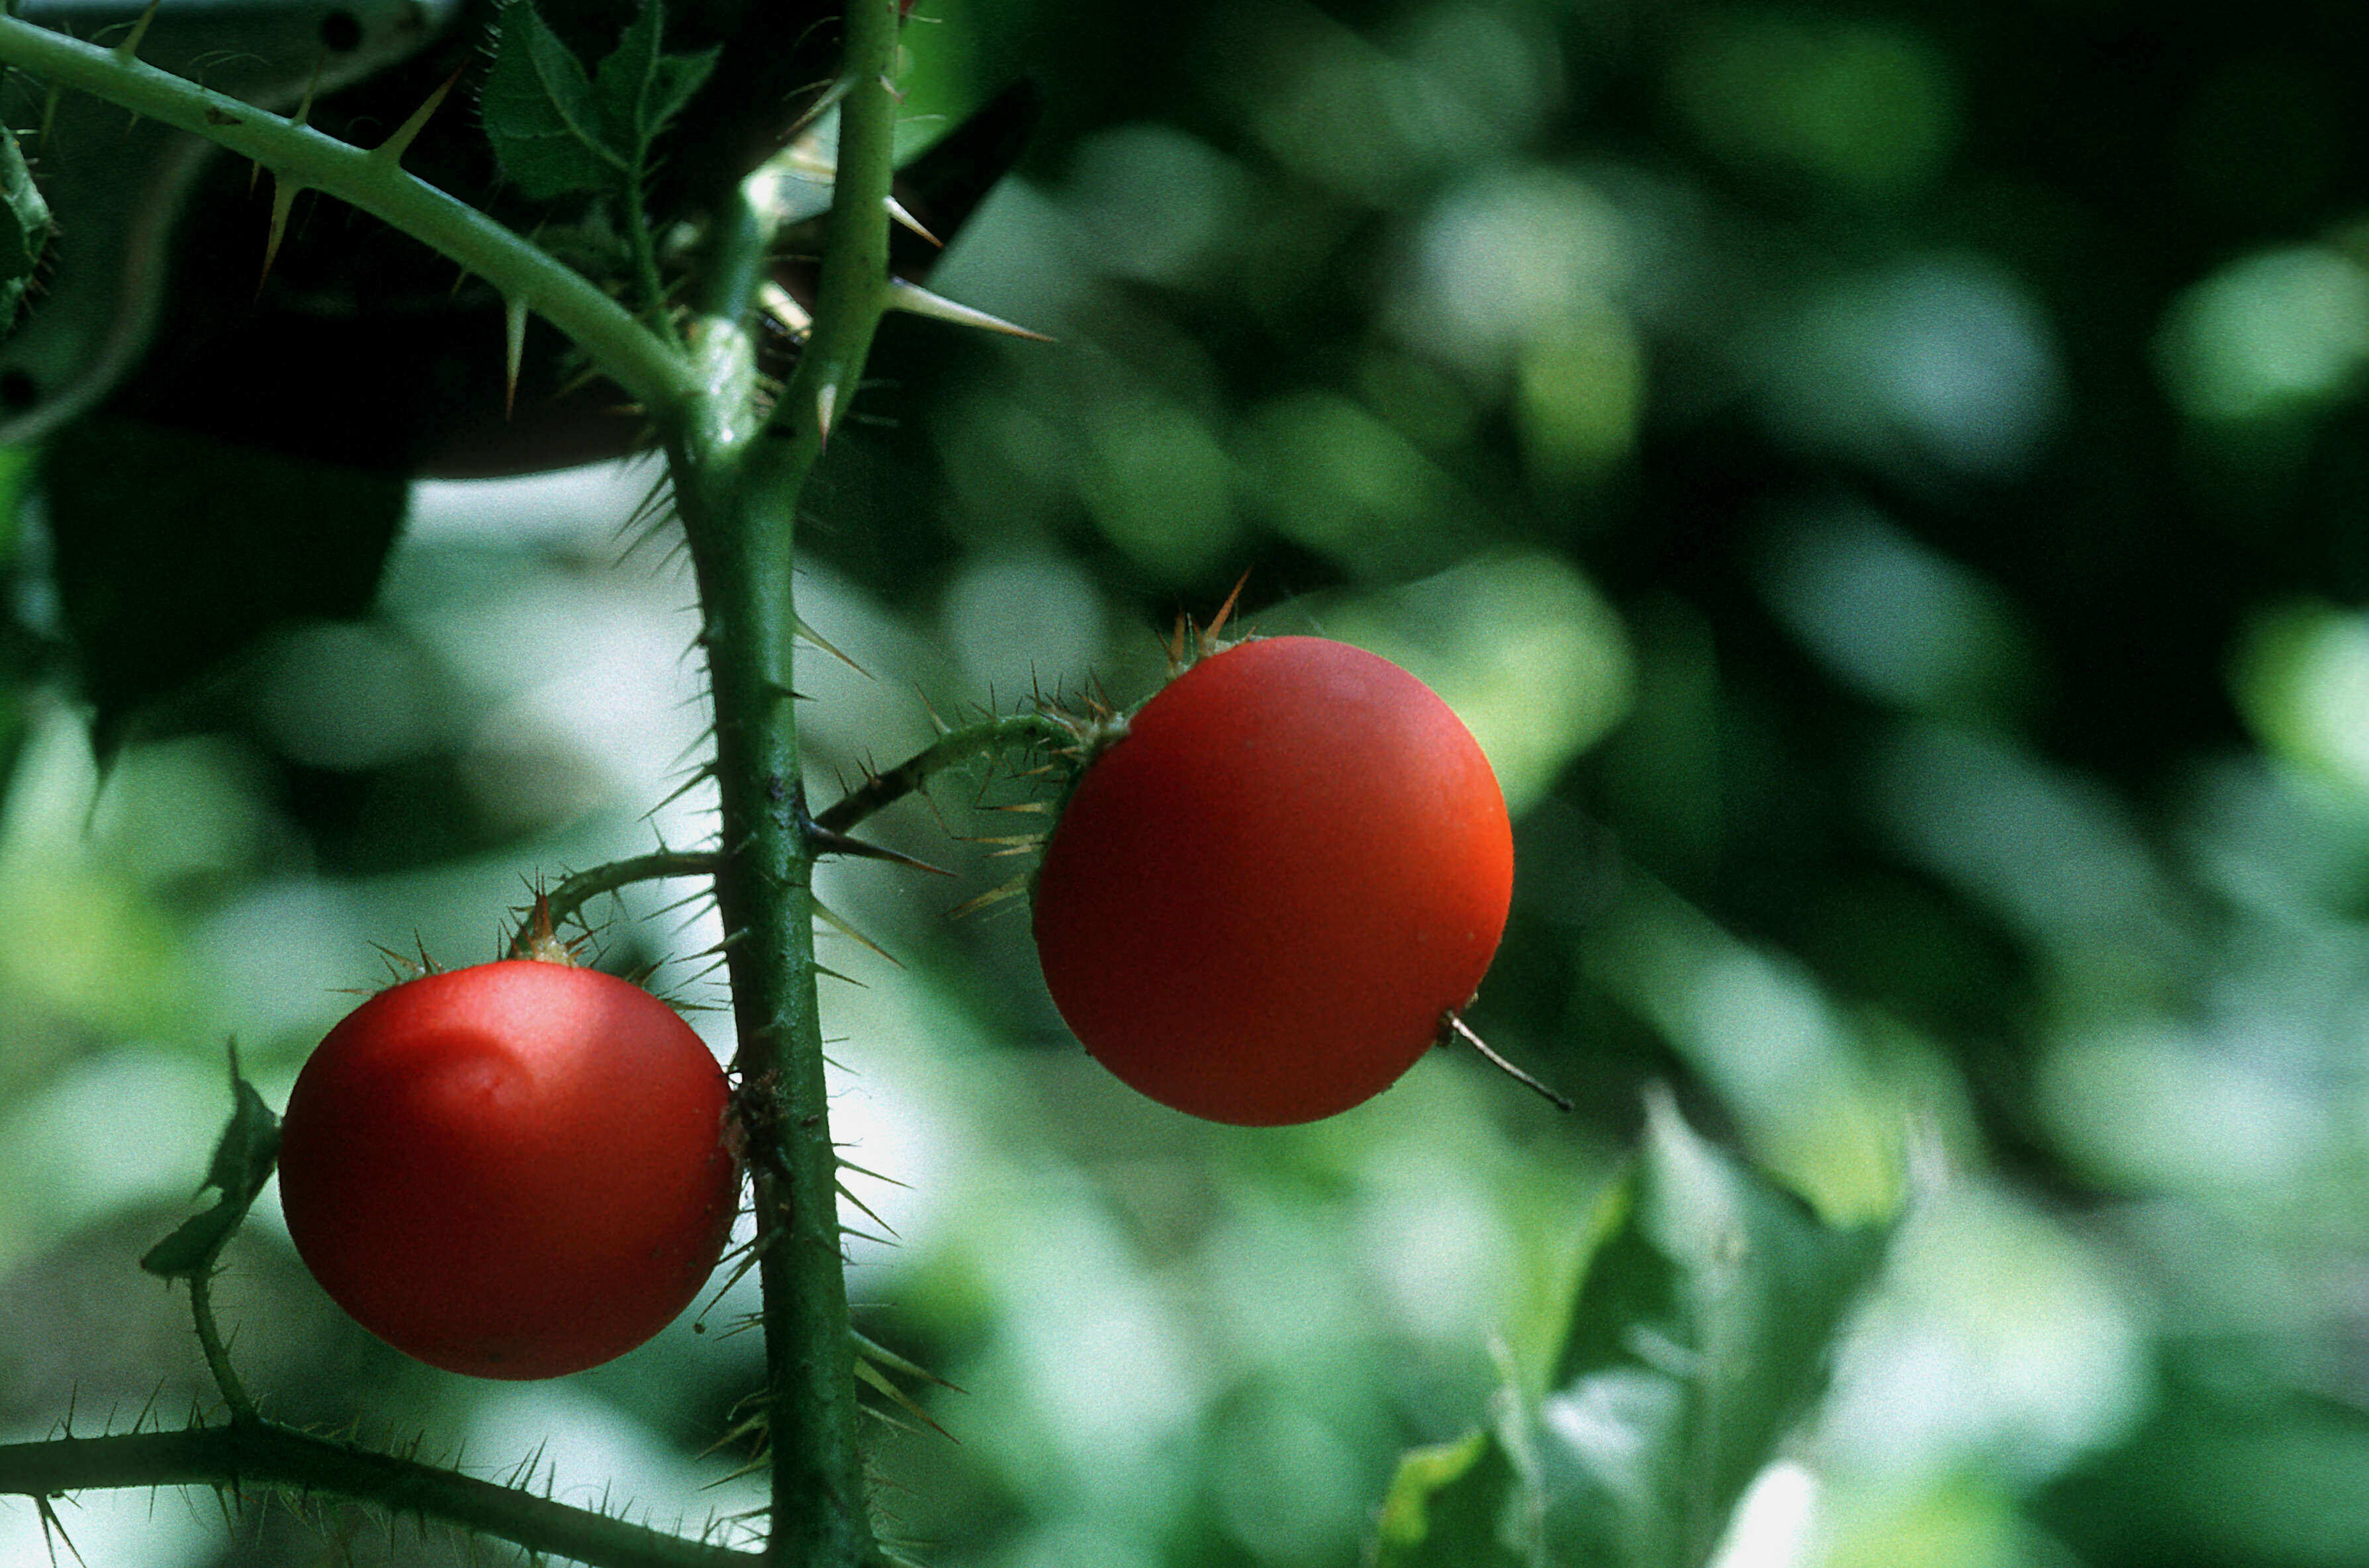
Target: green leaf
x,y
558,129
24,215
640,89
241,1163
1700,1336
540,112
1443,1505
24,228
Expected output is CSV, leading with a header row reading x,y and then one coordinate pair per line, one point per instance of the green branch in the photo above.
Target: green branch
x,y
251,1453
621,347
558,905
1019,732
854,285
211,1345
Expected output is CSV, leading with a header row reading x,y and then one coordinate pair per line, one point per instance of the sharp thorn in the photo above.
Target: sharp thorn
x,y
865,1209
846,1164
995,895
514,311
831,918
129,49
866,1372
283,201
303,114
1225,612
820,107
896,209
391,149
798,624
879,1355
827,842
918,301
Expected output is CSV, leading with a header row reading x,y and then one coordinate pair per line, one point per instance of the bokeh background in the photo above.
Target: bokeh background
x,y
1888,484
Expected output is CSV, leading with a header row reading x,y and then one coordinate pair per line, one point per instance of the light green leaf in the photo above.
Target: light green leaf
x,y
1700,1335
1443,1507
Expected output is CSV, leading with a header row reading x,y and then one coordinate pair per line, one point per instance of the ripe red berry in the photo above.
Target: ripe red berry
x,y
1260,903
516,1171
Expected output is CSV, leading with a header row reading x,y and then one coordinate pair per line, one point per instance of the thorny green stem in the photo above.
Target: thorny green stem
x,y
645,250
253,1453
217,1354
737,487
854,277
629,353
1018,732
567,899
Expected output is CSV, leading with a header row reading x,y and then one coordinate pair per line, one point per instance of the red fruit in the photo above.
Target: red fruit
x,y
1259,903
514,1171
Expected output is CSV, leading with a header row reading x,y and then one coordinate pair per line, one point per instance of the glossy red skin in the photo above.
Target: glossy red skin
x,y
1258,905
518,1169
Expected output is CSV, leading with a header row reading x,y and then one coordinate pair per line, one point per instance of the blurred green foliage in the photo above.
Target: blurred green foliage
x,y
1886,484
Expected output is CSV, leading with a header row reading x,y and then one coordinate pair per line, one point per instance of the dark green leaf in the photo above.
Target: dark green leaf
x,y
175,552
192,1246
24,228
1700,1336
243,1161
540,112
640,89
24,215
249,1146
